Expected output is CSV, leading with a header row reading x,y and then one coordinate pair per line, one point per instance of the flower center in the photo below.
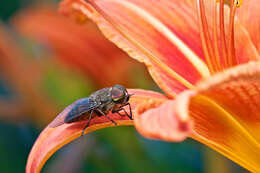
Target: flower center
x,y
217,35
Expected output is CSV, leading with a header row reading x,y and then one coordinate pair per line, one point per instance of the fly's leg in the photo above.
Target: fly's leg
x,y
122,109
130,109
122,115
89,118
106,116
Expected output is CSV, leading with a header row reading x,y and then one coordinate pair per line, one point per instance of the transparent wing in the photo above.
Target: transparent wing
x,y
73,111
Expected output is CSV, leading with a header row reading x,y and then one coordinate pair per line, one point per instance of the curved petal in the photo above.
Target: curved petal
x,y
51,139
162,34
75,44
249,17
166,121
226,114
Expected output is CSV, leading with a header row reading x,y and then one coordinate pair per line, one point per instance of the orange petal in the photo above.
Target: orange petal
x,y
51,139
249,17
226,114
164,121
162,34
75,44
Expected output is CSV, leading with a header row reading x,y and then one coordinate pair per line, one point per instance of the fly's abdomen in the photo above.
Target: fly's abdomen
x,y
82,117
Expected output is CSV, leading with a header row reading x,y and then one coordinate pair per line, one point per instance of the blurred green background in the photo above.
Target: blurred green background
x,y
22,117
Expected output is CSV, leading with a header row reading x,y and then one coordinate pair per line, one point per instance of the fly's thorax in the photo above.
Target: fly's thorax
x,y
110,98
101,96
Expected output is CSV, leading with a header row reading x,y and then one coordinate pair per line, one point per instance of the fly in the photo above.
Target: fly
x,y
100,103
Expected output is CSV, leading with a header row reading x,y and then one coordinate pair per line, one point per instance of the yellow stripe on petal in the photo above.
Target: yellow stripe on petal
x,y
52,139
218,129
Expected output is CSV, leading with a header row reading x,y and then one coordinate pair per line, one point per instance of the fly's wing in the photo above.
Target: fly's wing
x,y
73,111
81,106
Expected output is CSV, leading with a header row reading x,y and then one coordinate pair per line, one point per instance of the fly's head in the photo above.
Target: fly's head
x,y
119,94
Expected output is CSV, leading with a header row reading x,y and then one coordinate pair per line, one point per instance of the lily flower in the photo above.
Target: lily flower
x,y
203,54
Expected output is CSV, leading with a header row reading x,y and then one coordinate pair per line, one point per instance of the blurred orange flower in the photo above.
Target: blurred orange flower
x,y
75,45
24,75
201,54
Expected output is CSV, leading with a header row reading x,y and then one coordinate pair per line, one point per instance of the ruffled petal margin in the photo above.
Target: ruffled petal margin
x,y
166,122
52,139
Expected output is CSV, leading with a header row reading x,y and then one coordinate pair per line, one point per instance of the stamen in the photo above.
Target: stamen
x,y
231,48
215,34
222,34
205,37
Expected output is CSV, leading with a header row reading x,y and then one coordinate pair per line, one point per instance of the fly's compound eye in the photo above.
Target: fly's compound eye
x,y
117,94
